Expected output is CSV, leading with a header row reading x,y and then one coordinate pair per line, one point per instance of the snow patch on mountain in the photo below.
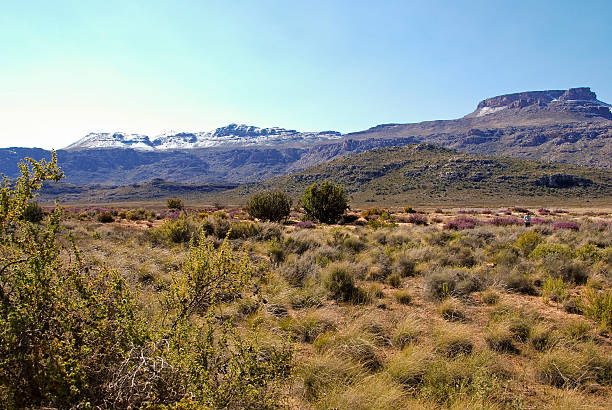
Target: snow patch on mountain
x,y
231,135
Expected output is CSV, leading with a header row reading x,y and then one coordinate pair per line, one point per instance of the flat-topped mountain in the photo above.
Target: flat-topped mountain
x,y
233,135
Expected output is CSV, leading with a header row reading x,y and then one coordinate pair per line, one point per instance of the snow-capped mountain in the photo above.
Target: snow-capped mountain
x,y
229,136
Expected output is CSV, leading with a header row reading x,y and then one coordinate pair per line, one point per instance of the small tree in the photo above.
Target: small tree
x,y
175,203
271,206
325,203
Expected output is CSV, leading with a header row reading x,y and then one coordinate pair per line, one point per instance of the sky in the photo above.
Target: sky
x,y
68,68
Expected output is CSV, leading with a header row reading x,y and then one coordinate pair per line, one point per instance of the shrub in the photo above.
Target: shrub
x,y
461,222
574,226
448,282
177,231
175,203
554,289
508,221
527,242
597,304
417,219
556,249
339,282
33,212
136,214
306,225
325,203
106,217
270,206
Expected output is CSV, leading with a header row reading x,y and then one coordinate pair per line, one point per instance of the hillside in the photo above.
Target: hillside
x,y
429,174
560,126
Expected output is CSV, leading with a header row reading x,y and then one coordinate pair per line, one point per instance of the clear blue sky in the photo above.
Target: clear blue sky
x,y
71,67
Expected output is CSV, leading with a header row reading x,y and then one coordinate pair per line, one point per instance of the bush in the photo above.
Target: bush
x,y
33,212
340,284
271,206
461,222
597,305
449,282
175,203
106,217
177,231
325,203
527,242
554,289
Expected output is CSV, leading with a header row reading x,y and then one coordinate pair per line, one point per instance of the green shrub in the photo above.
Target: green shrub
x,y
597,305
33,212
325,203
556,249
554,289
340,284
175,203
136,214
179,230
271,206
527,242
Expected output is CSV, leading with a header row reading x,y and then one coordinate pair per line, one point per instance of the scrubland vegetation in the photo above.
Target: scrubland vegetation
x,y
390,308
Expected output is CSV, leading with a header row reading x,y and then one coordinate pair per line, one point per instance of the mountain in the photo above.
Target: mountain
x,y
427,174
420,174
233,135
568,126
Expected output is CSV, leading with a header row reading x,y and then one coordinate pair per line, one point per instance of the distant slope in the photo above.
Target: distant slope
x,y
561,126
429,174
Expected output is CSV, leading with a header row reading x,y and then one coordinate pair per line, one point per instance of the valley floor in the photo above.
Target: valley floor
x,y
437,308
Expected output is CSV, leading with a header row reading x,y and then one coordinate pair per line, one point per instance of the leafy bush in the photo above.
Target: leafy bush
x,y
178,230
271,206
527,242
175,203
325,203
33,212
554,289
